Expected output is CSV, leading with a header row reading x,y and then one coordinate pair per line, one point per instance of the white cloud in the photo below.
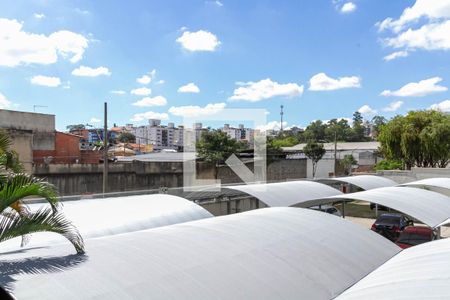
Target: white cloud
x,y
91,72
417,89
367,110
21,47
431,9
38,16
4,103
443,106
434,36
395,55
94,120
160,82
118,92
348,7
198,41
149,115
147,101
196,111
218,3
394,106
143,91
321,82
189,88
145,79
272,125
265,89
46,81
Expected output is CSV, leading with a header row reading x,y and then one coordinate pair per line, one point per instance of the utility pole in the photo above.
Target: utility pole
x,y
281,116
105,150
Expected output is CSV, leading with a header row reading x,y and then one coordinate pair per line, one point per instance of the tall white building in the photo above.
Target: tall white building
x,y
239,134
160,136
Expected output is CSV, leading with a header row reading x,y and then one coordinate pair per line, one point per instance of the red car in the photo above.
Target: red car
x,y
415,235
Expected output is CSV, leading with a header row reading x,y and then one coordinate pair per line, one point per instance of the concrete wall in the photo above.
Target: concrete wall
x,y
415,174
22,141
75,179
27,121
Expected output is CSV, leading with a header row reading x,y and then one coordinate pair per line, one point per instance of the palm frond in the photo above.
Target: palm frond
x,y
42,220
19,186
5,141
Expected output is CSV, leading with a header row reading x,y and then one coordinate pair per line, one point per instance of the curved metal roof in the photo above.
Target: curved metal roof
x,y
440,185
366,182
429,207
107,216
269,253
419,272
288,193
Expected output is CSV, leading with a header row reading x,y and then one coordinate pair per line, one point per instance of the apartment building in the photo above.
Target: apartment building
x,y
240,134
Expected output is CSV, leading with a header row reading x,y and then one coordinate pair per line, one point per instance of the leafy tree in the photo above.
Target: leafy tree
x,y
274,151
378,122
357,118
15,218
75,127
287,141
315,131
126,137
348,162
215,147
421,138
338,128
315,152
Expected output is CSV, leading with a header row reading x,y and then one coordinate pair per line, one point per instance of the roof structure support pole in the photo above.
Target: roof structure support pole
x,y
343,209
105,150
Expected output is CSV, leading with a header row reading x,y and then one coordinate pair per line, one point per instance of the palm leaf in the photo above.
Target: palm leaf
x,y
5,141
42,220
19,186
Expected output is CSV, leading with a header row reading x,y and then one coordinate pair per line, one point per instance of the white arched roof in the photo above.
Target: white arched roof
x,y
441,185
366,182
429,207
269,253
107,216
287,193
419,272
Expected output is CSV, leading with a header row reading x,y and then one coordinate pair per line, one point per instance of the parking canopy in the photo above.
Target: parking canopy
x,y
107,216
431,208
440,185
269,253
365,182
287,193
419,272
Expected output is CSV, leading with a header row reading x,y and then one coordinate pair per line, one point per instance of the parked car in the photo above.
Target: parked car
x,y
415,235
330,209
390,225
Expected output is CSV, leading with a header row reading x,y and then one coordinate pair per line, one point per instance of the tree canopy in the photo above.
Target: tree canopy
x,y
126,137
314,151
421,139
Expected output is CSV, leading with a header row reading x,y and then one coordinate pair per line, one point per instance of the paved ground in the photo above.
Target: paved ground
x,y
367,223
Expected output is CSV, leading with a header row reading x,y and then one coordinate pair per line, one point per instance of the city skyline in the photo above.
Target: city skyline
x,y
321,60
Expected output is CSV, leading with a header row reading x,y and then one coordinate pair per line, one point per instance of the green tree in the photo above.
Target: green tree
x,y
126,137
378,122
15,218
358,129
421,138
347,163
75,127
215,147
314,151
315,131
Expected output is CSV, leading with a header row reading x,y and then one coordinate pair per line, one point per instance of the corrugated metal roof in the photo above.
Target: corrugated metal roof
x,y
287,193
341,146
366,182
272,253
420,272
429,207
108,216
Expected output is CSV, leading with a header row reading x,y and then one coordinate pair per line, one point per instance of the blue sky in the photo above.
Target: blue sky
x,y
321,59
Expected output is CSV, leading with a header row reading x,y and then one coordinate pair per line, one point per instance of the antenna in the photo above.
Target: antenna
x,y
36,106
281,116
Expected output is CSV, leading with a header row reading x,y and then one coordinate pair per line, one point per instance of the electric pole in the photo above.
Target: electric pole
x,y
105,150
